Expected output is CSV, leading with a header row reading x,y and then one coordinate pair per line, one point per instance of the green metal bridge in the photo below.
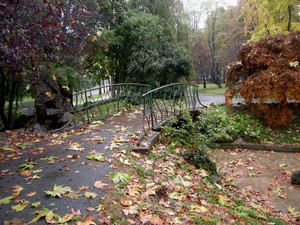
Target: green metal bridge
x,y
157,105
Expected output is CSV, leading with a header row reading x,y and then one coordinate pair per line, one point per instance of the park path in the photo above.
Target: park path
x,y
60,159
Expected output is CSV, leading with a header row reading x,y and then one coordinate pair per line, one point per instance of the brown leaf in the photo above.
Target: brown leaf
x,y
90,209
82,188
30,194
100,184
125,202
145,218
132,210
75,213
87,221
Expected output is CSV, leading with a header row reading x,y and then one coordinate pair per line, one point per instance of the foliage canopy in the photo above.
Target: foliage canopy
x,y
269,71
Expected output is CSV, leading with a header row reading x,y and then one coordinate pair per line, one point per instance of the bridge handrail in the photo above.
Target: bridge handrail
x,y
164,102
107,100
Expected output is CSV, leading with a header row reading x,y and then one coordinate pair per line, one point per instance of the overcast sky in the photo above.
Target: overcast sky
x,y
197,3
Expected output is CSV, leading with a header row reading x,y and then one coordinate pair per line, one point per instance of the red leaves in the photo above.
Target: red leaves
x,y
270,71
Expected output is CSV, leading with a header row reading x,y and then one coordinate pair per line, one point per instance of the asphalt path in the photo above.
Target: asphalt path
x,y
69,168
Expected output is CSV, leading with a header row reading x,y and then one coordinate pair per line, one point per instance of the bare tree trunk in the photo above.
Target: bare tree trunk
x,y
12,94
290,9
2,99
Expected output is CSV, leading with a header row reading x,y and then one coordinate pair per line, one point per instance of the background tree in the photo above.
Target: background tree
x,y
265,18
218,42
38,37
150,43
201,58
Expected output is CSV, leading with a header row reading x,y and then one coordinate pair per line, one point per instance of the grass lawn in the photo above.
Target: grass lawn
x,y
212,89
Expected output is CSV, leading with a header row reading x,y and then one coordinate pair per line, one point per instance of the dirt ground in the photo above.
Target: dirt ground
x,y
263,176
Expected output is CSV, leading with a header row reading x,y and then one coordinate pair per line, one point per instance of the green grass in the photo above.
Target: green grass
x,y
212,89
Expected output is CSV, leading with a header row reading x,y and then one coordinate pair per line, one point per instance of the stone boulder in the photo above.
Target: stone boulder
x,y
53,110
296,177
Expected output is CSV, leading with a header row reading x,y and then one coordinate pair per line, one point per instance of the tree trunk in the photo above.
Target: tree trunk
x,y
12,94
290,9
2,99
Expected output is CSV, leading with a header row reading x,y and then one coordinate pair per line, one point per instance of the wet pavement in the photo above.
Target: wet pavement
x,y
60,159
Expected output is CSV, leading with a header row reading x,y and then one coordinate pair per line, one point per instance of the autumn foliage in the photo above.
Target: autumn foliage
x,y
267,76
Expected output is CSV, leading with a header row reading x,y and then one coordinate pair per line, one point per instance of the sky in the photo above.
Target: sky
x,y
195,3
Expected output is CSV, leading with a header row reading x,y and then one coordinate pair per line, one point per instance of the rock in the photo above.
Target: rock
x,y
38,127
65,118
296,177
40,130
54,112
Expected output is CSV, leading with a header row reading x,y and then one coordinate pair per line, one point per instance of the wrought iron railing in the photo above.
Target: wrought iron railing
x,y
165,102
96,103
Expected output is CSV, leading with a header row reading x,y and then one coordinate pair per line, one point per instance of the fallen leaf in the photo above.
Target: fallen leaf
x,y
96,157
27,166
175,195
198,209
118,177
90,209
76,147
88,194
76,213
131,210
223,200
65,218
6,200
82,188
100,184
145,218
125,202
36,204
41,213
72,195
87,221
19,207
58,191
293,212
182,182
30,194
101,208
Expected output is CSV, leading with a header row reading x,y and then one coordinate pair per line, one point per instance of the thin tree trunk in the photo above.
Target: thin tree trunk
x,y
290,9
2,99
12,92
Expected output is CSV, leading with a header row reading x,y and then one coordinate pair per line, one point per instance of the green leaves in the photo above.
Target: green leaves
x,y
27,166
20,207
96,157
48,214
6,200
118,177
49,158
58,191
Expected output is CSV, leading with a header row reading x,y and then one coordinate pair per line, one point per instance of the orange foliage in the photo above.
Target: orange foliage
x,y
270,72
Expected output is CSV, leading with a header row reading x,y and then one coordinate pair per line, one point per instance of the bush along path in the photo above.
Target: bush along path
x,y
91,176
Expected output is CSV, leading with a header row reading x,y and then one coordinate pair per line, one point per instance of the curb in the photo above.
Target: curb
x,y
259,147
149,142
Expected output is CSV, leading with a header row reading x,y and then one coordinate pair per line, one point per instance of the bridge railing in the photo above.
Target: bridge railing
x,y
163,103
95,103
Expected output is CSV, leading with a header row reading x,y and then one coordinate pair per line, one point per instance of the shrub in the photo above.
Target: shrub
x,y
269,71
182,131
220,124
